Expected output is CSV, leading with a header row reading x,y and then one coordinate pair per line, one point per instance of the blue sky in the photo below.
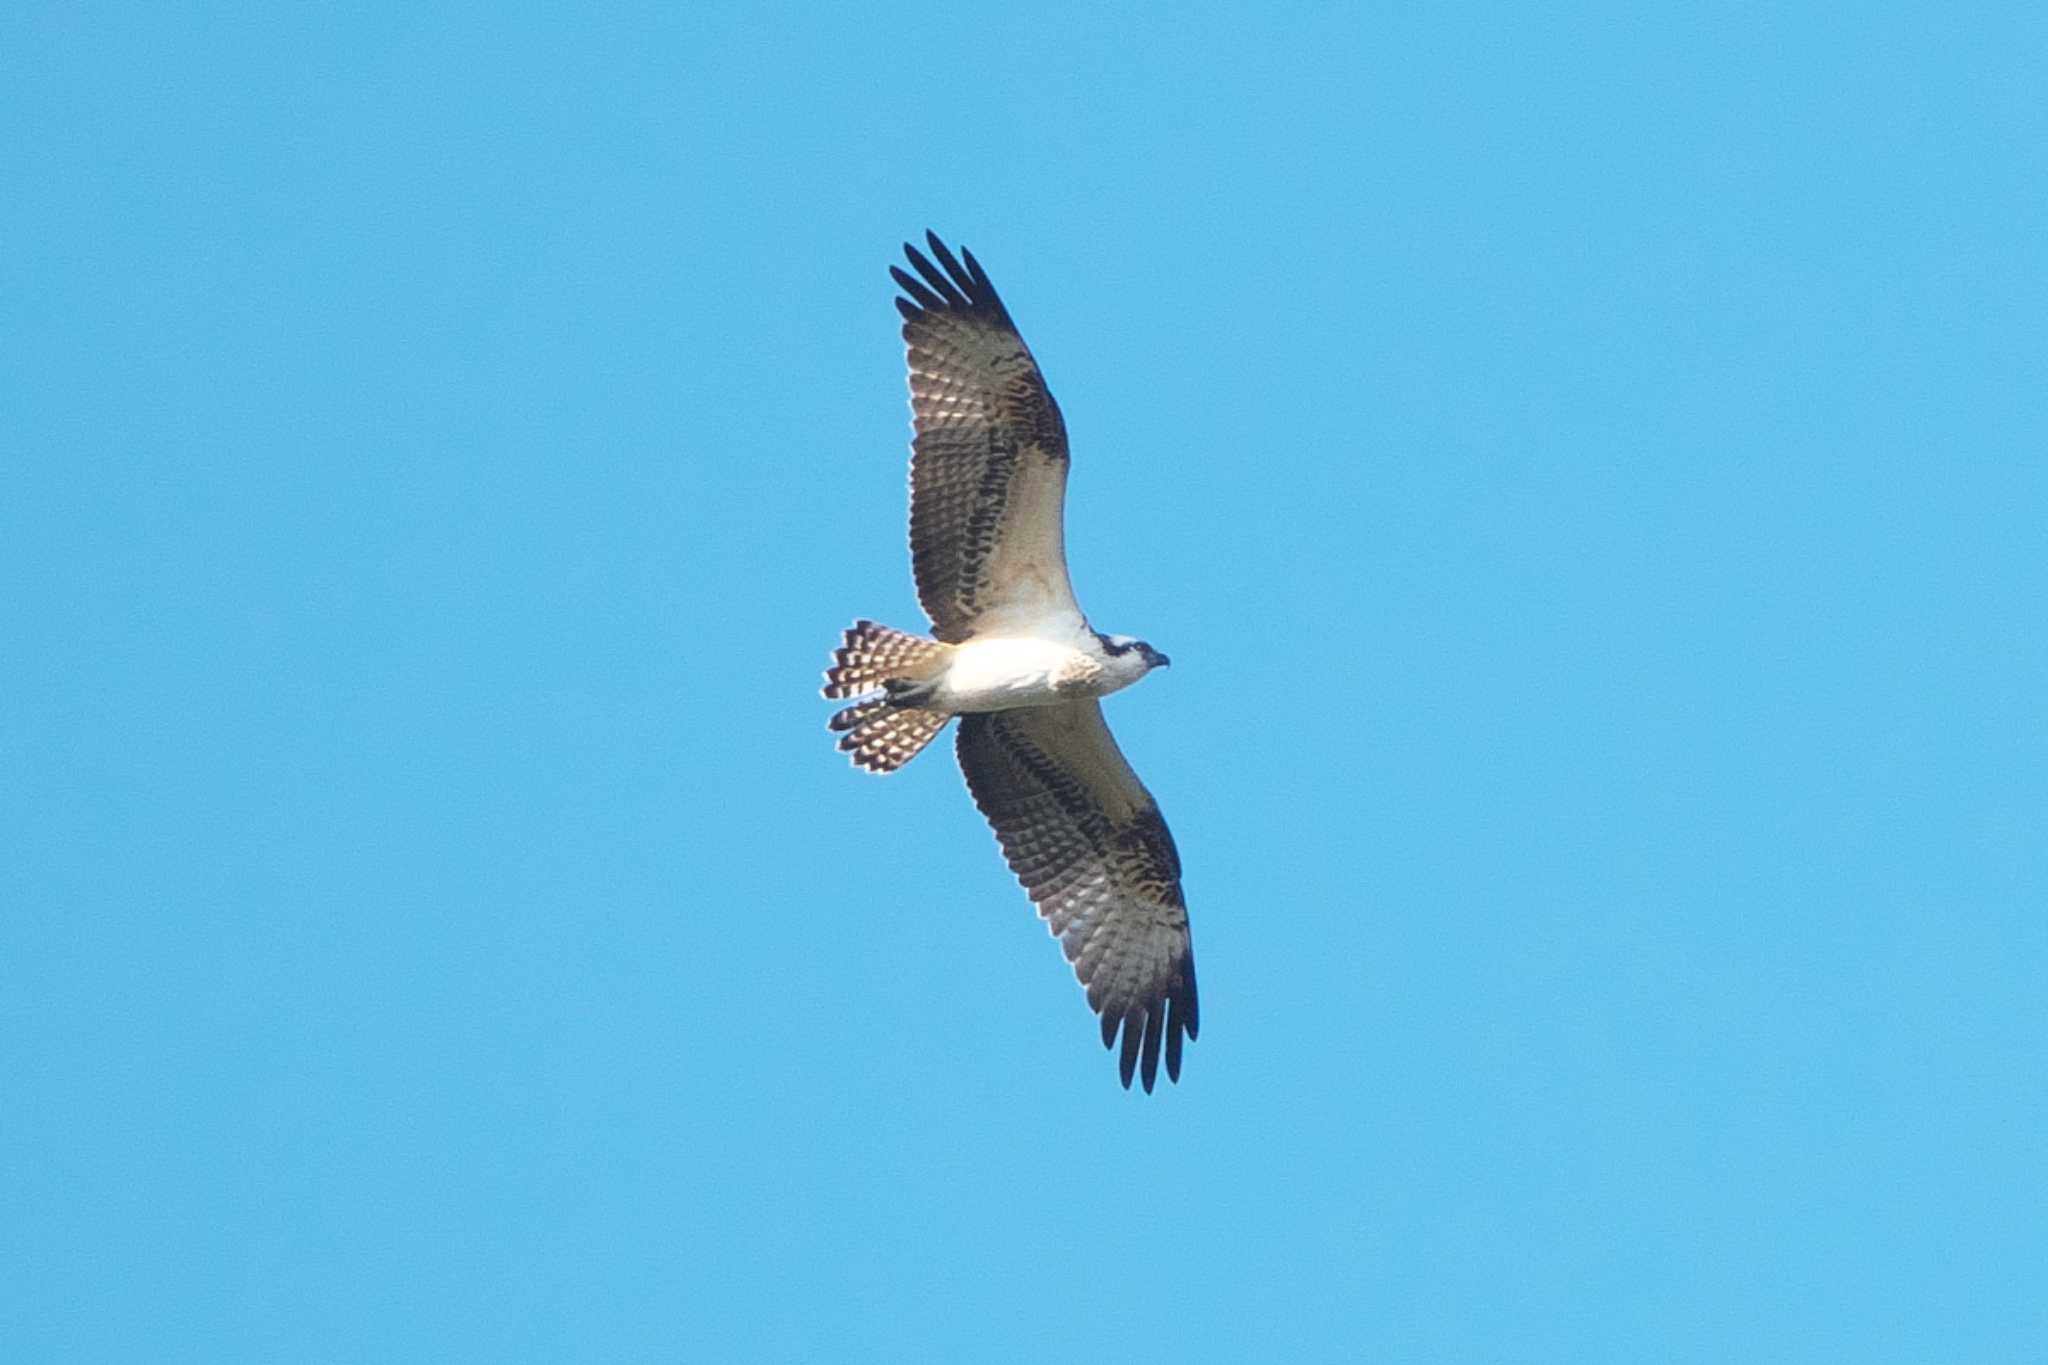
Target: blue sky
x,y
1588,470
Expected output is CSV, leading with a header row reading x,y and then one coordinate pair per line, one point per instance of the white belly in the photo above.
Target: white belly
x,y
1001,675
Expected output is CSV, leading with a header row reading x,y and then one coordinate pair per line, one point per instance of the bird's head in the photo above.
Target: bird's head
x,y
1129,647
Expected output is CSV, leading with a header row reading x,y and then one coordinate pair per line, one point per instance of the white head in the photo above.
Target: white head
x,y
1129,656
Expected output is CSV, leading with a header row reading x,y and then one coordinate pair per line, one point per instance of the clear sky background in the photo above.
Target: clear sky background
x,y
1588,470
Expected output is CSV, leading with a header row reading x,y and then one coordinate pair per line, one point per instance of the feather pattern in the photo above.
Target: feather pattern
x,y
1087,841
988,469
988,476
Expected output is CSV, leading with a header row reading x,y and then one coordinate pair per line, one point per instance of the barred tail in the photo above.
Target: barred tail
x,y
882,736
887,672
872,654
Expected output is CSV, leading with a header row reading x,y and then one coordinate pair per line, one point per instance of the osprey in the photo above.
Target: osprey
x,y
1012,655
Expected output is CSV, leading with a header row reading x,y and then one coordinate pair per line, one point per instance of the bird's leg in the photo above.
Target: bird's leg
x,y
908,691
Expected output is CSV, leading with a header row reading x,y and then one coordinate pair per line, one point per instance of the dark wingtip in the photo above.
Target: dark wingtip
x,y
945,281
1154,1018
945,257
941,276
920,293
974,269
1127,1063
1150,1032
1190,1010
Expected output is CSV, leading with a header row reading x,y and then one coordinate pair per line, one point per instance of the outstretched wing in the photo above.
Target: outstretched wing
x,y
1087,841
988,467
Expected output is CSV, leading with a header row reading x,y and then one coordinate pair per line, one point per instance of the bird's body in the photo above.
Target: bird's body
x,y
1004,673
1012,655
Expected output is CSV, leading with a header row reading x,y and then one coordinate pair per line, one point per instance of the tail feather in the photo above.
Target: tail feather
x,y
872,654
882,736
885,673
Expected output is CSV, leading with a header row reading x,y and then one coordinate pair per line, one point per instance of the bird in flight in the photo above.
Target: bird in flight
x,y
1012,655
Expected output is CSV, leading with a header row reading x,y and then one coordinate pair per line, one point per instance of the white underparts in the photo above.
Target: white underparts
x,y
1005,674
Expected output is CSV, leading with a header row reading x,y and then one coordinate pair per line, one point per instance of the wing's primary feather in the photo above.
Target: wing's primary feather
x,y
988,469
1087,841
